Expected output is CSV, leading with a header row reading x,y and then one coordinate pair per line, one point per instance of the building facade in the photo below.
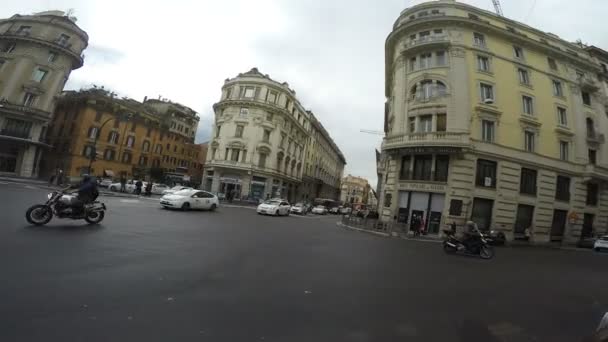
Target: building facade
x,y
37,54
128,139
491,120
260,140
354,190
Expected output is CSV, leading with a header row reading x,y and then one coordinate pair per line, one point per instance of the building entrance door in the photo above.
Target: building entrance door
x,y
523,221
587,226
482,213
559,225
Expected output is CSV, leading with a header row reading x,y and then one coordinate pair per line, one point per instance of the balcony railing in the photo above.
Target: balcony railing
x,y
595,137
16,133
428,139
441,39
436,94
596,171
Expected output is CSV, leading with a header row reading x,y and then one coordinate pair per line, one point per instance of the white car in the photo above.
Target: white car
x,y
298,208
106,182
275,207
159,189
190,199
129,186
319,210
176,189
601,244
345,210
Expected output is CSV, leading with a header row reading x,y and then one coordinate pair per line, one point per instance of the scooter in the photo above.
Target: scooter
x,y
478,245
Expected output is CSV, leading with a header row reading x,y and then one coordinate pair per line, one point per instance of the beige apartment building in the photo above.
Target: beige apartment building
x,y
491,120
354,190
37,54
261,143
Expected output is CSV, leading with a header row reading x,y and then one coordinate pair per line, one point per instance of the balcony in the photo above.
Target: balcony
x,y
430,142
415,44
595,172
588,83
595,138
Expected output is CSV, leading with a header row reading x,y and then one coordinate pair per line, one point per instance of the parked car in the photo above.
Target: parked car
x,y
601,244
334,210
187,199
275,207
176,189
345,211
586,242
319,210
298,208
129,186
159,189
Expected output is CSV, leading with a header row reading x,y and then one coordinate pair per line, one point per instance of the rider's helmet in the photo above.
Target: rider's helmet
x,y
86,178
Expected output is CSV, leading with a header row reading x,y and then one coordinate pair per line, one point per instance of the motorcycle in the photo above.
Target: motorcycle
x,y
59,204
478,245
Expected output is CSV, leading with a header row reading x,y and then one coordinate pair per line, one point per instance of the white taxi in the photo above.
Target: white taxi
x,y
190,199
275,207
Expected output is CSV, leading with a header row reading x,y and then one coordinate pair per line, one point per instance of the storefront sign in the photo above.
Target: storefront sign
x,y
430,149
422,187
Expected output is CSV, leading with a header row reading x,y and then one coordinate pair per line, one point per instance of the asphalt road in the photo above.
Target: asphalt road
x,y
148,274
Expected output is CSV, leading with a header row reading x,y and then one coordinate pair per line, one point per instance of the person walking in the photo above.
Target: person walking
x,y
138,186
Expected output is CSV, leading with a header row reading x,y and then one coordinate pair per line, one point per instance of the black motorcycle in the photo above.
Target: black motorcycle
x,y
476,245
59,204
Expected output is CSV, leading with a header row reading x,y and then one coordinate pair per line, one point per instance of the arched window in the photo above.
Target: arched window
x,y
428,89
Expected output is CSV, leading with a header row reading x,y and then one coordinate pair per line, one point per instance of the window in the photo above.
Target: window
x,y
524,77
529,141
38,75
235,155
63,39
159,149
413,64
52,57
422,167
562,117
586,98
287,103
98,116
455,207
518,52
239,131
604,67
266,137
218,128
248,92
271,96
442,163
175,148
424,33
244,112
404,172
425,123
592,157
527,183
130,141
487,92
29,99
437,31
552,63
126,157
88,151
528,106
229,93
425,60
109,154
143,160
412,125
487,130
440,58
441,123
486,173
562,189
146,146
592,194
113,137
479,40
563,150
483,63
557,88
93,133
24,30
262,160
590,128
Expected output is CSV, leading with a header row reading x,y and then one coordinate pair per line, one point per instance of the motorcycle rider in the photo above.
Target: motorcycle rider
x,y
87,192
469,234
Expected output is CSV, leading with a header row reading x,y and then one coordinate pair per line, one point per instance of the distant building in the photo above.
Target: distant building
x,y
266,144
355,190
37,54
127,137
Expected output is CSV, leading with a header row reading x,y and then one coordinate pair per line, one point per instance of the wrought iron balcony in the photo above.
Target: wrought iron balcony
x,y
428,140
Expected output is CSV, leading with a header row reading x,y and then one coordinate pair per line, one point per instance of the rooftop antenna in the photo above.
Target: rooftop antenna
x,y
497,7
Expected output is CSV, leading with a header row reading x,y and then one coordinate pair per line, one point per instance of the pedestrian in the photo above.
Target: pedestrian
x,y
123,184
138,186
51,180
149,189
60,177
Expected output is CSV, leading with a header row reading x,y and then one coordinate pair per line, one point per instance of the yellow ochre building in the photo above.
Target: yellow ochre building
x,y
488,119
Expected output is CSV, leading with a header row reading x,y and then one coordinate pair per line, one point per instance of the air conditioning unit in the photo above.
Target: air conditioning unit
x,y
488,101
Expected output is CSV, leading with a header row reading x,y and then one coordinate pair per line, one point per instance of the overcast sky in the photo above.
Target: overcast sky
x,y
330,52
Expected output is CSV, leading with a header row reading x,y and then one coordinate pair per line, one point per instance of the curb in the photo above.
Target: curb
x,y
340,224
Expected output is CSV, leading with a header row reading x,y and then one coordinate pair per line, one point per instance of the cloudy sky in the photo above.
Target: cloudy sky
x,y
330,52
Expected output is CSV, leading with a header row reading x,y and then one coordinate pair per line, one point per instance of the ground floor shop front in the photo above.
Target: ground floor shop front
x,y
19,158
248,185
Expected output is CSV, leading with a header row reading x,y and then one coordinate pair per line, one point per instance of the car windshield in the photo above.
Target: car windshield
x,y
185,192
273,202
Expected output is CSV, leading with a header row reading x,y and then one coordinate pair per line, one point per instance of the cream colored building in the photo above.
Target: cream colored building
x,y
37,54
261,139
492,120
354,190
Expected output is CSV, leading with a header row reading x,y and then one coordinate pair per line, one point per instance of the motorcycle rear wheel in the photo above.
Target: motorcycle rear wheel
x,y
486,252
39,215
94,217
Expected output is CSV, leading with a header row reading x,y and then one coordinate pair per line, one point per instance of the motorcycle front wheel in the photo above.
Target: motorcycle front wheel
x,y
448,249
39,214
94,217
486,252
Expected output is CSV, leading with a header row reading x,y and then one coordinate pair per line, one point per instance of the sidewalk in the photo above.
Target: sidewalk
x,y
24,180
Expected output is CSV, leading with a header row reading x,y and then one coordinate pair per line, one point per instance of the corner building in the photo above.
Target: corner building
x,y
263,144
491,120
37,54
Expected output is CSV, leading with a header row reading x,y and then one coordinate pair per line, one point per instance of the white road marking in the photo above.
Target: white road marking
x,y
129,200
31,187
